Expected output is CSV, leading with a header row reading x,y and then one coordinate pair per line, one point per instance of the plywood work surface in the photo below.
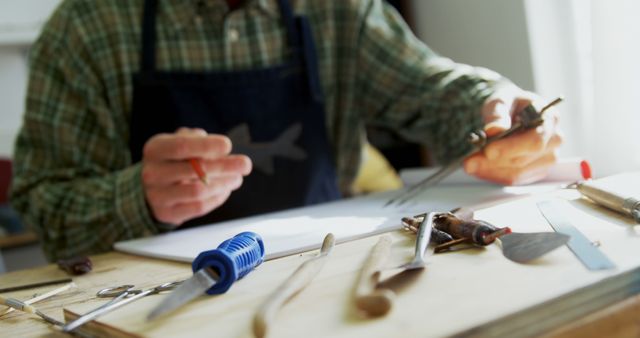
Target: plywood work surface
x,y
475,292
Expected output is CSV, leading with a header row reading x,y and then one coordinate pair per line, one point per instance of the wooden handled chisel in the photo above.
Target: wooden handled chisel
x,y
300,278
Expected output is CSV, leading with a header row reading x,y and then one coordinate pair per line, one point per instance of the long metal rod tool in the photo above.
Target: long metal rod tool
x,y
527,119
35,285
428,182
587,253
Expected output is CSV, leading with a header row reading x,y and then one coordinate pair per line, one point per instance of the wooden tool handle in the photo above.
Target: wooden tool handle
x,y
17,304
374,302
39,297
294,284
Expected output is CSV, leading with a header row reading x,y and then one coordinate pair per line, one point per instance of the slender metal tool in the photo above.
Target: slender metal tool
x,y
587,253
422,241
526,119
291,287
116,305
35,285
216,270
628,206
21,306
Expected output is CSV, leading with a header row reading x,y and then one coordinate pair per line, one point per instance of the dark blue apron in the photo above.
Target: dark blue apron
x,y
274,115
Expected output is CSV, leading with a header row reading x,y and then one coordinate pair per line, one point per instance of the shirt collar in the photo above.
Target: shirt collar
x,y
182,13
269,7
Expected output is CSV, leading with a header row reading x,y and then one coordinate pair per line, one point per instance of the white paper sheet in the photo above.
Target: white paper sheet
x,y
302,229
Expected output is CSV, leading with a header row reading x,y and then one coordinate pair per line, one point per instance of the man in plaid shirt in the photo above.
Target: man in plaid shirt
x,y
271,97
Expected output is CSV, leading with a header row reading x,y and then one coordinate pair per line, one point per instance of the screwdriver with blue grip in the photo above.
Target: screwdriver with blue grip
x,y
214,271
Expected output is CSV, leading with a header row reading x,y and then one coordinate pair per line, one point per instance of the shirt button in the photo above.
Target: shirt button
x,y
233,35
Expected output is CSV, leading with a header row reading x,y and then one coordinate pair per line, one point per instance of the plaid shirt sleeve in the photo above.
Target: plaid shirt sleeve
x,y
73,183
404,86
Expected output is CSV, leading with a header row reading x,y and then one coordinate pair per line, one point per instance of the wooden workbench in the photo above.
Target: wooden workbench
x,y
472,293
328,293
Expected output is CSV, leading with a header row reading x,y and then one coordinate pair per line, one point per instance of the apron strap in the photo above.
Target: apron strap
x,y
310,59
148,59
302,47
289,23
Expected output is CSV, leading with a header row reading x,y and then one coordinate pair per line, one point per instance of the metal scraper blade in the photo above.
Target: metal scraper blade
x,y
581,246
524,247
196,286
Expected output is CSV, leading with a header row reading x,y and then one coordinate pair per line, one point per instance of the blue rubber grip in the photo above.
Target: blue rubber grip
x,y
232,260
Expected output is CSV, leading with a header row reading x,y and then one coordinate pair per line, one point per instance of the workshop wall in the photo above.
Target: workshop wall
x,y
488,33
20,22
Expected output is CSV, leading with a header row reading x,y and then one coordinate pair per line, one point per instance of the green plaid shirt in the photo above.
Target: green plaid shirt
x,y
74,180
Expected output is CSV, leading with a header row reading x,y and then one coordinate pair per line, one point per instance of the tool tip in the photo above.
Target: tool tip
x,y
259,327
376,304
153,315
328,243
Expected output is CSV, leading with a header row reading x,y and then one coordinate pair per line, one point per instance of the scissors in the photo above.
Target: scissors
x,y
119,293
526,119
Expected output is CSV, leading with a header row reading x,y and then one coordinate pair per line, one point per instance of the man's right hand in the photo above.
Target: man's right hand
x,y
172,188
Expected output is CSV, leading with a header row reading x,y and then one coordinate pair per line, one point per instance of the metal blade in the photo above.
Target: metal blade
x,y
422,241
190,289
587,253
524,247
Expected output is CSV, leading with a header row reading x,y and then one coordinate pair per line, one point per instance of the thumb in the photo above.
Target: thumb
x,y
497,117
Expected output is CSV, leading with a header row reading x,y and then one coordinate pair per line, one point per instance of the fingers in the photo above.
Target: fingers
x,y
181,202
184,145
522,157
183,212
171,172
515,151
510,175
521,145
167,196
497,116
172,187
528,142
525,159
508,168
